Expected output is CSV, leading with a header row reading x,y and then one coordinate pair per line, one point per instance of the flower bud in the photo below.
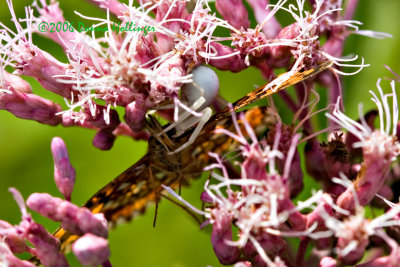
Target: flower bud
x,y
234,12
91,250
64,173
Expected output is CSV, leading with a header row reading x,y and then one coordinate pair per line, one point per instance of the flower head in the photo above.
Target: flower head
x,y
380,147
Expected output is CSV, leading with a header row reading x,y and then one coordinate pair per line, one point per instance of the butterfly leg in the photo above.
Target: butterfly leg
x,y
155,189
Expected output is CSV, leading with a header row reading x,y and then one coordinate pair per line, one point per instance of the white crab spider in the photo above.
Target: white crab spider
x,y
199,96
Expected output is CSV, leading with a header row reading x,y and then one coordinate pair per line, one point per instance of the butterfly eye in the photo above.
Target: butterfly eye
x,y
205,84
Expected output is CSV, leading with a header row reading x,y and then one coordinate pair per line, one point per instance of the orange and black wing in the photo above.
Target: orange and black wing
x,y
126,196
272,87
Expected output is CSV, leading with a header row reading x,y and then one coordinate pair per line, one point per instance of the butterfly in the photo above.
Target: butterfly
x,y
140,185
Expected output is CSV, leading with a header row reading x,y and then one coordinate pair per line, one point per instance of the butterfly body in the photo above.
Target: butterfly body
x,y
129,194
117,199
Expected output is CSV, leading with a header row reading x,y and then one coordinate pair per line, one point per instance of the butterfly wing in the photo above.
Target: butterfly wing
x,y
281,82
130,191
126,196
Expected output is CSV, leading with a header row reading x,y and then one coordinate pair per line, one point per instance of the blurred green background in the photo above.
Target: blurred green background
x,y
26,161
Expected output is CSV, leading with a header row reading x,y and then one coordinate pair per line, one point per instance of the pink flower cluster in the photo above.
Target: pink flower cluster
x,y
91,249
143,73
256,200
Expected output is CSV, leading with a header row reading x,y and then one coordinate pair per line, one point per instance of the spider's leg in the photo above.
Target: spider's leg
x,y
183,116
187,121
203,120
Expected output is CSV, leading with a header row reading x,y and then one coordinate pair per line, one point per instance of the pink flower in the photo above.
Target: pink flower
x,y
380,148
